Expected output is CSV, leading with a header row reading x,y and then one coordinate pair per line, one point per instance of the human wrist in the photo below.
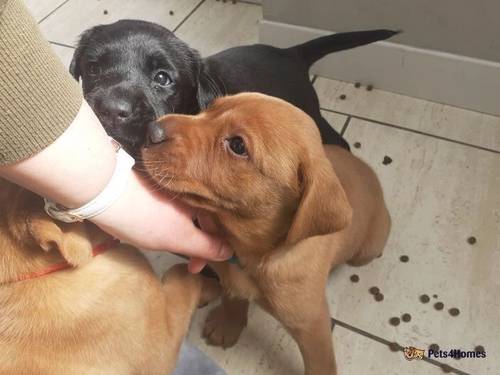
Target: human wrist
x,y
74,169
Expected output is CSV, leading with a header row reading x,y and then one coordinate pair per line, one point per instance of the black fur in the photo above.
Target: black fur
x,y
118,62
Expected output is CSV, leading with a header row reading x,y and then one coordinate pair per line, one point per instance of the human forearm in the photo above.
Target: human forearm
x,y
38,97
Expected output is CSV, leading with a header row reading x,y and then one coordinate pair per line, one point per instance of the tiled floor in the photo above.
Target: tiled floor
x,y
442,187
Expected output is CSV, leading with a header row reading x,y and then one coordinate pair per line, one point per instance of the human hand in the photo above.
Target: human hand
x,y
153,220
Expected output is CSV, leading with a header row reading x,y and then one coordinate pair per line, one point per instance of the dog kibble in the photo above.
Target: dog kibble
x,y
379,297
394,346
394,321
454,311
434,296
357,85
406,317
354,278
424,298
479,348
105,11
171,12
471,240
446,368
387,160
404,258
434,347
369,88
439,306
374,290
343,97
357,145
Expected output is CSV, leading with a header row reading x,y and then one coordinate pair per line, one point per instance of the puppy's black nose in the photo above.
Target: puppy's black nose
x,y
119,109
156,132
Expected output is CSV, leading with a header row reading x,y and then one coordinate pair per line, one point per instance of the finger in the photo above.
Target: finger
x,y
196,265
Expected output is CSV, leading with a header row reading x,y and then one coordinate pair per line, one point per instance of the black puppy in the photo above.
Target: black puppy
x,y
134,71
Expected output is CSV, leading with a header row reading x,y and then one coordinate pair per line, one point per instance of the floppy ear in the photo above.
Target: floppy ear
x,y
71,240
323,207
209,88
74,67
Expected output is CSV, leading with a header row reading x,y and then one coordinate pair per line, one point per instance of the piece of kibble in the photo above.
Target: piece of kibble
x,y
434,347
387,160
471,240
404,258
394,321
374,290
171,12
343,97
379,297
439,306
406,317
434,296
446,368
479,348
454,311
357,85
369,88
354,278
105,11
424,298
357,145
394,346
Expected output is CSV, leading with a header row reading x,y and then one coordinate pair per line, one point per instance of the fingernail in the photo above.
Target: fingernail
x,y
224,252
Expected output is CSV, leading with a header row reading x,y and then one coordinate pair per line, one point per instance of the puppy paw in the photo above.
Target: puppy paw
x,y
223,328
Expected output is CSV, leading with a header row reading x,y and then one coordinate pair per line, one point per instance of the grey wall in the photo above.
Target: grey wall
x,y
464,27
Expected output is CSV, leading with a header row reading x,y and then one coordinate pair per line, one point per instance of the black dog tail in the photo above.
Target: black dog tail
x,y
315,49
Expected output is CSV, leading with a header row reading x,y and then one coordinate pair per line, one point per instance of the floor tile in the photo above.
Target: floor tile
x,y
217,25
41,8
335,120
439,194
69,21
64,53
442,120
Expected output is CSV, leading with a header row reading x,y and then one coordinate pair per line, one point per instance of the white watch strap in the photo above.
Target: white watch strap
x,y
116,186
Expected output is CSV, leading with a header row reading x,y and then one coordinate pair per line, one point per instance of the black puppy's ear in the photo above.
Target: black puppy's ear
x,y
209,88
75,68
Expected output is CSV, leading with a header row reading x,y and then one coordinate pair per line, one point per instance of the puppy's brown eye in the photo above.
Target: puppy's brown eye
x,y
94,69
162,78
237,146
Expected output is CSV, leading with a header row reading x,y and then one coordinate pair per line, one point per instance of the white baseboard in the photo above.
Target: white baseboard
x,y
432,75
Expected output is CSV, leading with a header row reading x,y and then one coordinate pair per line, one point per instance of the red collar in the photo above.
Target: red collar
x,y
97,250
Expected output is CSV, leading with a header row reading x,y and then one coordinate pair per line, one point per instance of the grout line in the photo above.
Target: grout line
x,y
346,124
399,347
48,15
248,2
412,130
61,44
313,79
189,15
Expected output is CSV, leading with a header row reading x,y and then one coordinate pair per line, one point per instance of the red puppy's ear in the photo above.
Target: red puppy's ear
x,y
323,207
71,240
